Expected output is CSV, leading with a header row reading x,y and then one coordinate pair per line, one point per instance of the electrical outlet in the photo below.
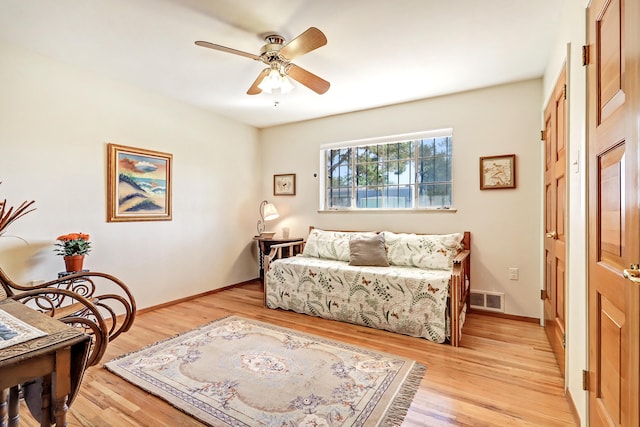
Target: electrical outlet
x,y
514,273
37,282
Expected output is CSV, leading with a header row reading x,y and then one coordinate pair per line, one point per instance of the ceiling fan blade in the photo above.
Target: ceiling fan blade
x,y
228,50
311,39
308,79
254,89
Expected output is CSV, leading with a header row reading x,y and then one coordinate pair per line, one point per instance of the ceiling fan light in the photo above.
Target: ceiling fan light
x,y
274,79
285,85
264,86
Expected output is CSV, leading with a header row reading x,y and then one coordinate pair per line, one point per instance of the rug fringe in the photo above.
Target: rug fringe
x,y
401,403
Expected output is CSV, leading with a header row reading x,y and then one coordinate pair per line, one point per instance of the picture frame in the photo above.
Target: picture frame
x,y
498,172
284,184
138,184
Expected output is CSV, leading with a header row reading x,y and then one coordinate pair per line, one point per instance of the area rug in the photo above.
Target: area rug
x,y
240,372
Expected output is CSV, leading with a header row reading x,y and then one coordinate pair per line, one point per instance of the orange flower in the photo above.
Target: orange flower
x,y
73,236
73,244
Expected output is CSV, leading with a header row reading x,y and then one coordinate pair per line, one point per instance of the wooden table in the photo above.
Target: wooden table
x,y
265,244
58,358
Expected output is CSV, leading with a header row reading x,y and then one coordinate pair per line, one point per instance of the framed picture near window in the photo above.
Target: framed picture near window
x,y
138,184
284,184
498,172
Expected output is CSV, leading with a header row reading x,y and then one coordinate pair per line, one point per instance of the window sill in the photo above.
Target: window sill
x,y
390,211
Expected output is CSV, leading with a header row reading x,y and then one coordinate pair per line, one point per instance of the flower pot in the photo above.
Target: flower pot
x,y
73,262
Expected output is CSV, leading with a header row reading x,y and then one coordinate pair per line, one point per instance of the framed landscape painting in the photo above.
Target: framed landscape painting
x,y
138,184
498,172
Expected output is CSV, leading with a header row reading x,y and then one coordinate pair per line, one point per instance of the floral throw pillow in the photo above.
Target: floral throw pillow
x,y
331,244
435,251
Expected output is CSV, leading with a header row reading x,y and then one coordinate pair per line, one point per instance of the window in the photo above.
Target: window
x,y
389,173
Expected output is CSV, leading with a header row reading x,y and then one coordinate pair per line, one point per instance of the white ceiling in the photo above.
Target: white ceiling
x,y
379,52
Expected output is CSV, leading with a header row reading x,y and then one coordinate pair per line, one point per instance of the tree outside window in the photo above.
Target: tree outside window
x,y
407,174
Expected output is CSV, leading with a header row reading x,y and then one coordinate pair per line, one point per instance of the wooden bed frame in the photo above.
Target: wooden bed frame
x,y
459,292
459,285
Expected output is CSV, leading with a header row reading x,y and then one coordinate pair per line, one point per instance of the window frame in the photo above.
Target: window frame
x,y
323,182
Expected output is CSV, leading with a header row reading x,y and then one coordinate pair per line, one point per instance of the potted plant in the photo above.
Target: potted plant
x,y
73,246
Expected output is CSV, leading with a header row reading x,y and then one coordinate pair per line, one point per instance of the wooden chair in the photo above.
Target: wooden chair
x,y
98,303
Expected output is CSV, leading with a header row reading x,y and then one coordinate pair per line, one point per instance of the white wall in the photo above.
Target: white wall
x,y
568,48
504,224
55,122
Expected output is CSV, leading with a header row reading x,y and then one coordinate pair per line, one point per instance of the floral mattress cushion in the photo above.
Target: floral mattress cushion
x,y
400,299
423,250
331,244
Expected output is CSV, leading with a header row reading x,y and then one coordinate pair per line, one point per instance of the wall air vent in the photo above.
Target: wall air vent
x,y
487,300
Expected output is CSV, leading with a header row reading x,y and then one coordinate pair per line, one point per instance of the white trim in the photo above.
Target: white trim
x,y
389,211
322,180
390,139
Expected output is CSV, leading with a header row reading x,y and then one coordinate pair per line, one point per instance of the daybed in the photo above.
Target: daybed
x,y
411,284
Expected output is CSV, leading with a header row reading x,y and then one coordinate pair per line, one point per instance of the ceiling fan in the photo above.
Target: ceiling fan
x,y
278,54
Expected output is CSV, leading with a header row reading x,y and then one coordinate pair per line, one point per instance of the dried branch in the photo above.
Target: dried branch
x,y
8,214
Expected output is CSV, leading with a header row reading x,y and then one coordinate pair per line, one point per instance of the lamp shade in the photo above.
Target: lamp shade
x,y
265,86
270,212
267,212
275,82
286,86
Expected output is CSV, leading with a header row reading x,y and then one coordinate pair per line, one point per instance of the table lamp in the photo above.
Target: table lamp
x,y
267,212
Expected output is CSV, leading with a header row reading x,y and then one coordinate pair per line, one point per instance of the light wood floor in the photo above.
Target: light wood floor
x,y
504,373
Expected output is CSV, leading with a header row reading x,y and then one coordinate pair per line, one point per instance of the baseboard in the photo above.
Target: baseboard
x,y
572,407
504,315
177,301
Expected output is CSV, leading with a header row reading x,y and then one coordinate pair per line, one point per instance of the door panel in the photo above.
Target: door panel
x,y
609,50
560,293
609,29
611,327
555,217
561,201
611,170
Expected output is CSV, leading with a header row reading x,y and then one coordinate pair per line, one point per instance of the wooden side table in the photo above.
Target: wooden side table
x,y
264,245
59,358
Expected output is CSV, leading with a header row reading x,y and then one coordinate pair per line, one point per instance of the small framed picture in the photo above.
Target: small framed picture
x,y
138,184
498,172
284,184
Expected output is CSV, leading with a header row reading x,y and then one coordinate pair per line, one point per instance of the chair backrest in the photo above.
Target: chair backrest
x,y
5,286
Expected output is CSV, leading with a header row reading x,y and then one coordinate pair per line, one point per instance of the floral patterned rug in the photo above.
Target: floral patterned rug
x,y
240,372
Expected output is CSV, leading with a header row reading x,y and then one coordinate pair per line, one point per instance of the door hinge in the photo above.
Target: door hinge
x,y
543,135
543,294
585,55
564,92
564,340
585,380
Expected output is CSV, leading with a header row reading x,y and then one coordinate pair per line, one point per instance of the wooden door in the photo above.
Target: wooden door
x,y
613,119
555,219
